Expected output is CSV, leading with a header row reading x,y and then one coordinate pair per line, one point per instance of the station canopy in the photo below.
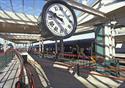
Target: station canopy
x,y
18,18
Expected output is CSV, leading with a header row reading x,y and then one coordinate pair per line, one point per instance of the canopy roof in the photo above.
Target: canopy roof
x,y
20,16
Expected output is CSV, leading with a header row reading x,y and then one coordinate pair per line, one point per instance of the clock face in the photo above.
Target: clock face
x,y
59,19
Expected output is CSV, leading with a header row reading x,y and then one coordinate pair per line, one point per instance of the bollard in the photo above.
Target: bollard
x,y
56,57
78,72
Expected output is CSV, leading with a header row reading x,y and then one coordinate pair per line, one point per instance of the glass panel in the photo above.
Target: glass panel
x,y
38,6
28,6
32,7
91,2
17,5
5,5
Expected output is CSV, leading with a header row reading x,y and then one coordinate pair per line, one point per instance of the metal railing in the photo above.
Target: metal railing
x,y
5,58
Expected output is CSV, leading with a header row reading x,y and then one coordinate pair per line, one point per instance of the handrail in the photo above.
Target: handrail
x,y
32,84
31,81
104,75
21,71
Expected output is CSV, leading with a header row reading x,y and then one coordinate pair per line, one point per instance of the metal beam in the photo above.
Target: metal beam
x,y
94,4
117,15
11,3
33,12
16,21
22,42
86,9
18,28
23,6
20,37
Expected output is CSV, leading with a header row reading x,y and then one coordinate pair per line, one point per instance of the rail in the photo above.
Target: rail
x,y
113,72
21,81
10,71
104,68
5,77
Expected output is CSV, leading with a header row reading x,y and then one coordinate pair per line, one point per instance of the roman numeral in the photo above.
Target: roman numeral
x,y
56,28
50,17
56,9
69,26
65,31
61,8
51,23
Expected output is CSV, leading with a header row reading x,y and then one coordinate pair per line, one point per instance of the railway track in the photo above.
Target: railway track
x,y
33,78
9,77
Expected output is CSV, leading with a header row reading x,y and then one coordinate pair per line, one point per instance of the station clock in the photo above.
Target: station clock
x,y
57,20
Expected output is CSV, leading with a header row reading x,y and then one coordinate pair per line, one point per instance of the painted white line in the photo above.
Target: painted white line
x,y
60,66
84,81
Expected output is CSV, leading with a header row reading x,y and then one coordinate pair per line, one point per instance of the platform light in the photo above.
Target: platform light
x,y
114,22
119,45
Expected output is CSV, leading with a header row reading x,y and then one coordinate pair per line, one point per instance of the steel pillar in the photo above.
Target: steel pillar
x,y
105,42
109,43
61,47
42,49
99,41
39,46
5,45
105,49
14,46
28,46
56,49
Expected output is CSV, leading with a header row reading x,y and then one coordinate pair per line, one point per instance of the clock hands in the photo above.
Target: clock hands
x,y
58,17
54,16
67,17
57,20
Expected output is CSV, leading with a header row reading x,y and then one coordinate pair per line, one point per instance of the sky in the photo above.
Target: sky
x,y
30,6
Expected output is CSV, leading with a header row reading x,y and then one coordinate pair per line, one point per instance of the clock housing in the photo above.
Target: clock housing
x,y
57,20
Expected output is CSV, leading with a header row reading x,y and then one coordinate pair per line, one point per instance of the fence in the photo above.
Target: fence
x,y
5,58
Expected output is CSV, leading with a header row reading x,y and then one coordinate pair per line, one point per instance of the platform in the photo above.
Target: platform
x,y
10,74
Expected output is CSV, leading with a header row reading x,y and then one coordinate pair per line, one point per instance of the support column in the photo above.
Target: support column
x,y
14,45
105,42
39,46
25,45
32,44
32,48
28,46
110,59
105,48
42,49
61,48
109,43
5,45
56,49
99,42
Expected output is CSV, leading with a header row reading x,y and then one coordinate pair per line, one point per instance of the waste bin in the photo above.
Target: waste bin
x,y
24,58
